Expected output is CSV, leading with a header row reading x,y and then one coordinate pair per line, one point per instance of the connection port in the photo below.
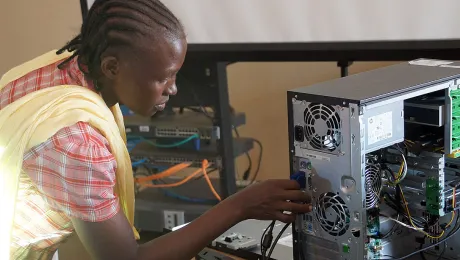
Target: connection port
x,y
298,133
310,185
303,165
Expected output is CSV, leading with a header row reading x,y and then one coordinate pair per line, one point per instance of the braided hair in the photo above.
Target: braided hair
x,y
112,23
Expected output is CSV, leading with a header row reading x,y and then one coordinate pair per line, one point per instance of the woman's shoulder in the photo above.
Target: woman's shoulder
x,y
44,77
74,140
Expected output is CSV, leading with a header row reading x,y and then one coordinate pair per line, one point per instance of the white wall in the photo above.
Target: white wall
x,y
256,21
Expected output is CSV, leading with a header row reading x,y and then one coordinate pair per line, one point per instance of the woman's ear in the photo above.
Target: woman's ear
x,y
110,67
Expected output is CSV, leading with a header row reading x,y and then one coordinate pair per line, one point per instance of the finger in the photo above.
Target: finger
x,y
295,195
286,218
287,184
294,207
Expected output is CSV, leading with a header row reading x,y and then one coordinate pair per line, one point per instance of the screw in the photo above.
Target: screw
x,y
357,215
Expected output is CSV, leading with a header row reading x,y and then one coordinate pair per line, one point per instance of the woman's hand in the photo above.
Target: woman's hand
x,y
268,200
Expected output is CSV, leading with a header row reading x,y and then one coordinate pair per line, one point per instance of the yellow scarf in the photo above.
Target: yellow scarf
x,y
36,117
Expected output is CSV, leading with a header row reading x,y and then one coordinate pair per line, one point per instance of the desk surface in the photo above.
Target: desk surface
x,y
254,229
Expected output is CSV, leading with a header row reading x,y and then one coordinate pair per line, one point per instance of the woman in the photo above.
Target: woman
x,y
71,163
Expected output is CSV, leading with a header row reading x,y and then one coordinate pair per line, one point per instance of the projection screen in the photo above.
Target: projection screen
x,y
308,21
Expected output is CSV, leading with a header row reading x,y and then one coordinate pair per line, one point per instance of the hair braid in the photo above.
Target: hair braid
x,y
114,23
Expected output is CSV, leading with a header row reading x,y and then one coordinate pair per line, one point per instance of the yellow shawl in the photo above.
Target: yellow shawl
x,y
34,118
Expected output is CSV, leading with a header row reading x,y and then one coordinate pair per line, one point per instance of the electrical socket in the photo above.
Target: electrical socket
x,y
173,218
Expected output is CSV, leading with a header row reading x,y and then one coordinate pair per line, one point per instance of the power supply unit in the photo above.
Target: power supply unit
x,y
376,177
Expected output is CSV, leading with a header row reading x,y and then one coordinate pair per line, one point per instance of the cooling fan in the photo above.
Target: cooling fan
x,y
373,184
322,127
333,214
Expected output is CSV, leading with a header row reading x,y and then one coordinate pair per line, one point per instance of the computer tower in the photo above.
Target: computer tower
x,y
377,177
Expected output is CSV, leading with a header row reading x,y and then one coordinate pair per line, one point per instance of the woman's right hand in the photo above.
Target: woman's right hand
x,y
268,200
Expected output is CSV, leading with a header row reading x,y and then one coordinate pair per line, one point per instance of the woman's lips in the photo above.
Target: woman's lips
x,y
160,107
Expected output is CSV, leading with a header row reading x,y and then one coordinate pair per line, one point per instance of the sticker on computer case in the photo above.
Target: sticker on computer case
x,y
308,227
307,224
379,128
429,62
314,156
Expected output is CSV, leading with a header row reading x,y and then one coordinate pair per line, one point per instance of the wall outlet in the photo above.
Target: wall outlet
x,y
173,218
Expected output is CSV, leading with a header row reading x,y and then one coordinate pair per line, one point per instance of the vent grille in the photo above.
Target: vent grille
x,y
332,214
373,182
322,127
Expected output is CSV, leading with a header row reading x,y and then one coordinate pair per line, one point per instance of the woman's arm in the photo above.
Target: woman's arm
x,y
113,239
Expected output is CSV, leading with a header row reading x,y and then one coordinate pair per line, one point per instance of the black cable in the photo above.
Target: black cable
x,y
254,177
201,110
192,90
259,162
262,248
276,240
398,207
451,234
248,170
422,254
266,239
443,251
246,173
300,246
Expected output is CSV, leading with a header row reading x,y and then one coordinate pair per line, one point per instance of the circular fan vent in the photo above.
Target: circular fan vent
x,y
322,127
373,179
332,213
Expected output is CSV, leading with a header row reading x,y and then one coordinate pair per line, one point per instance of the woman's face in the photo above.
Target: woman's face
x,y
143,79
